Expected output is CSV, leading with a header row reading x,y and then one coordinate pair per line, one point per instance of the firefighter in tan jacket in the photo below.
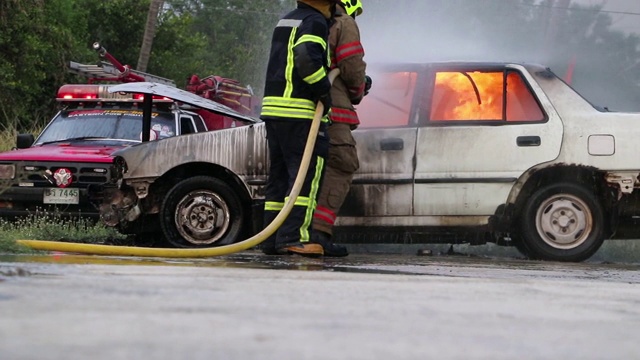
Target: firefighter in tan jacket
x,y
348,89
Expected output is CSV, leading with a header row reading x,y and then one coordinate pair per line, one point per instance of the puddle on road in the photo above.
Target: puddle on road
x,y
439,264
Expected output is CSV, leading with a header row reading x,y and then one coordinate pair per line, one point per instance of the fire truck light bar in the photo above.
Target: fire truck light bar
x,y
99,93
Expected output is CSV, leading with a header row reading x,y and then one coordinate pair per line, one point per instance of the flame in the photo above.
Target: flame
x,y
455,97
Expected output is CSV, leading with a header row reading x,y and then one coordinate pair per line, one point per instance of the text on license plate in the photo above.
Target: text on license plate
x,y
61,196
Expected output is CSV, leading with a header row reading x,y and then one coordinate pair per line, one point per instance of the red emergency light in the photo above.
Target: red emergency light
x,y
92,92
140,97
78,92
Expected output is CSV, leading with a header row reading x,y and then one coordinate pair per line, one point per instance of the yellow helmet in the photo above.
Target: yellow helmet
x,y
353,7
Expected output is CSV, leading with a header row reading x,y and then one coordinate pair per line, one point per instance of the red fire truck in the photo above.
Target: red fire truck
x,y
51,173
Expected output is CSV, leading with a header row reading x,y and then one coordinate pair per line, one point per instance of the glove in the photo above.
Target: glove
x,y
367,84
326,101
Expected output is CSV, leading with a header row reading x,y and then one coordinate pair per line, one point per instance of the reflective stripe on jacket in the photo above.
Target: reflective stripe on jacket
x,y
298,63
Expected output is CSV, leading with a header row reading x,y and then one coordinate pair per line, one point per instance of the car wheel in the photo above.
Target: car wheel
x,y
201,212
562,222
520,245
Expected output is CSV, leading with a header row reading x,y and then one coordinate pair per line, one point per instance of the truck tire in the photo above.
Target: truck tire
x,y
562,222
201,211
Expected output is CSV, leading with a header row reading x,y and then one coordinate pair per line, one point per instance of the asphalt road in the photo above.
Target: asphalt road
x,y
250,306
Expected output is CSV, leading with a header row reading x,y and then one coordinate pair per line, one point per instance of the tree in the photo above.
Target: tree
x,y
149,33
37,39
237,35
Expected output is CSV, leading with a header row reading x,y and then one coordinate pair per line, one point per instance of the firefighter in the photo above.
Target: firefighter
x,y
348,89
296,80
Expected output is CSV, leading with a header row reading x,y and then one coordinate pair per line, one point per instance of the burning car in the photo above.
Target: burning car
x,y
449,152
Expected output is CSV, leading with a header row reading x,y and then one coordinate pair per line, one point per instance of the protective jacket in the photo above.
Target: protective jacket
x,y
347,54
297,70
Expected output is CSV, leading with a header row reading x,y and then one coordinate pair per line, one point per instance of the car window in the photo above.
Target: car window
x,y
521,104
494,96
389,102
186,125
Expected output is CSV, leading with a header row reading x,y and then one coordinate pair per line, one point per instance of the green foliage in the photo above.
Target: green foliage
x,y
54,228
118,25
36,40
233,37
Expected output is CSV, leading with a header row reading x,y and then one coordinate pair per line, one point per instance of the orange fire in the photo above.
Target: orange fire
x,y
456,99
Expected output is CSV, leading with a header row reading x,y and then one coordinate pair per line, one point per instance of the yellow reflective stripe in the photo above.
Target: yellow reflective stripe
x,y
315,77
288,102
312,38
289,69
288,107
300,201
287,113
273,206
315,185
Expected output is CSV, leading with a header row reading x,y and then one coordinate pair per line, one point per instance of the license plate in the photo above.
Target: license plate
x,y
61,196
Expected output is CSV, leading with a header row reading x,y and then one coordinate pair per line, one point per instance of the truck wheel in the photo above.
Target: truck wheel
x,y
201,212
562,222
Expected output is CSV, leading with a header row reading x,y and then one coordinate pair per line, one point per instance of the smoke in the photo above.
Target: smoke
x,y
562,34
442,30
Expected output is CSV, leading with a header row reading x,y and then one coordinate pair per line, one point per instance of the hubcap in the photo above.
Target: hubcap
x,y
564,221
202,217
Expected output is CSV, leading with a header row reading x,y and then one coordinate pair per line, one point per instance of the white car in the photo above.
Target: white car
x,y
449,152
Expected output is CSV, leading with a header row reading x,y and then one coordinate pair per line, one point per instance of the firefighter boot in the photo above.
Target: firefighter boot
x,y
303,249
331,249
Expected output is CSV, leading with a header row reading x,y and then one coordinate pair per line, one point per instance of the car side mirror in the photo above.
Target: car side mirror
x,y
24,141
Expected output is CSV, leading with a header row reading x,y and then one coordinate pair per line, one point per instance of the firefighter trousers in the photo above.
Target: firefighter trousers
x,y
341,164
286,142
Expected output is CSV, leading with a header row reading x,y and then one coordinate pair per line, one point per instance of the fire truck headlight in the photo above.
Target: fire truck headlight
x,y
7,172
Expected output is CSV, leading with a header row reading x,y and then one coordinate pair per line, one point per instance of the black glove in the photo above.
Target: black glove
x,y
367,84
326,101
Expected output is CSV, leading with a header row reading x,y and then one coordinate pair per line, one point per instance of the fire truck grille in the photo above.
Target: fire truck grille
x,y
82,175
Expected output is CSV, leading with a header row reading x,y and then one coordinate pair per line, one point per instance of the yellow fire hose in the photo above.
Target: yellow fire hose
x,y
112,250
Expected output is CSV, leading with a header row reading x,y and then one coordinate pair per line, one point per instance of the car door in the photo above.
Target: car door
x,y
481,129
386,138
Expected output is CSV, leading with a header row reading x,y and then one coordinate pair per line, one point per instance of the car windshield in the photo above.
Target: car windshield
x,y
113,124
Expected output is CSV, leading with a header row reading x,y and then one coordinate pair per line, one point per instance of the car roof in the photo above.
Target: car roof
x,y
420,66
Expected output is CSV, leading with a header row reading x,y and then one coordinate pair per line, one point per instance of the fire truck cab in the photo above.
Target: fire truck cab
x,y
51,173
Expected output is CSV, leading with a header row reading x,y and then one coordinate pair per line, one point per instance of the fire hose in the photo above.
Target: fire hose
x,y
111,250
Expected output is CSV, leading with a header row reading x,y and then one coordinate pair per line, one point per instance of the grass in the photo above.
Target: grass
x,y
54,228
8,136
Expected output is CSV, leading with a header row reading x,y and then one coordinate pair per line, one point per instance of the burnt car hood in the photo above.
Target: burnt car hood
x,y
63,152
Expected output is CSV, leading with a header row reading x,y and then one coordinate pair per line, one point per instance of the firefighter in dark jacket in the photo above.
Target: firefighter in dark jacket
x,y
348,89
296,80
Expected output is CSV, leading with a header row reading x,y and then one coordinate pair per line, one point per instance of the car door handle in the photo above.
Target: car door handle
x,y
528,141
391,144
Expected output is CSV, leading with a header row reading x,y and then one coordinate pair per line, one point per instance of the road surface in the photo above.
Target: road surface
x,y
250,306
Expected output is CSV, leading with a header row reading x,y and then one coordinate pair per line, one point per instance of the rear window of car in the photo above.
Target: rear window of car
x,y
389,103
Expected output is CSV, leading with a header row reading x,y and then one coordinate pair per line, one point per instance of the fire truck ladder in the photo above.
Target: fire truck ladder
x,y
108,72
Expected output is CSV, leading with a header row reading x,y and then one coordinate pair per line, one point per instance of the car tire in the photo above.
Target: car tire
x,y
521,246
562,222
201,211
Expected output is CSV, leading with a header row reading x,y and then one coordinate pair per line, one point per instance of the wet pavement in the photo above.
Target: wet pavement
x,y
365,306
